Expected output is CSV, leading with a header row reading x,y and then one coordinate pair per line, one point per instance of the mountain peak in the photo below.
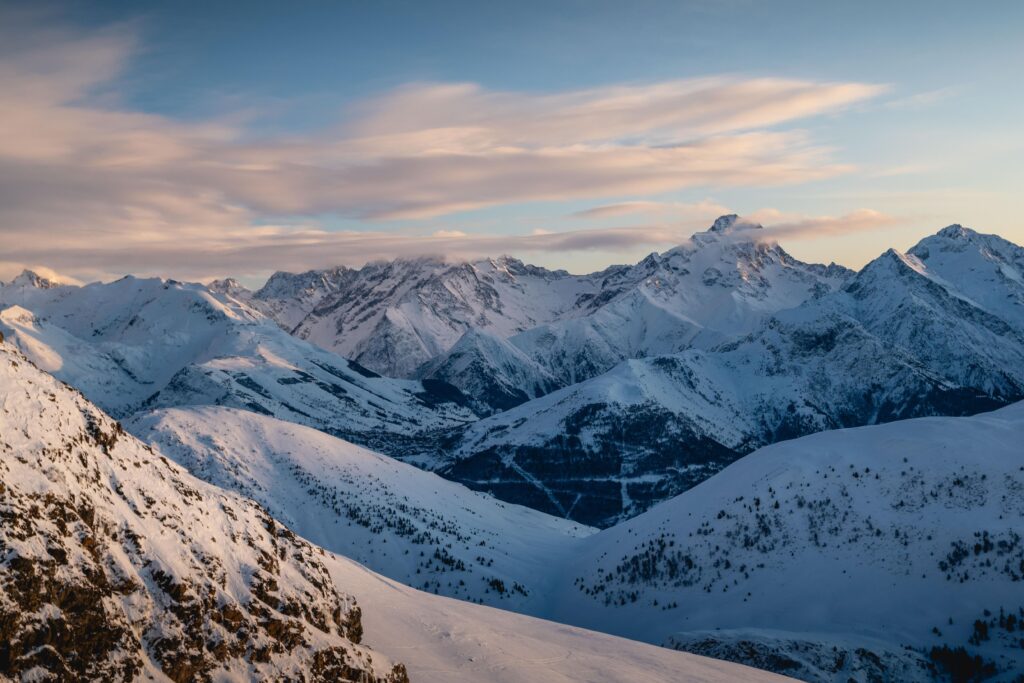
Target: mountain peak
x,y
730,223
724,223
226,282
29,278
956,231
226,286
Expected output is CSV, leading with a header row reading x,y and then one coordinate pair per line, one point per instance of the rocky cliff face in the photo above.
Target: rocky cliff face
x,y
116,564
394,316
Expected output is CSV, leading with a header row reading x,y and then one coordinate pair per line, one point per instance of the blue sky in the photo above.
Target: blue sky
x,y
208,139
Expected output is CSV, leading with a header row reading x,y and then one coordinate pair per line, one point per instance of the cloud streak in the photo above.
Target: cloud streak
x,y
676,209
778,226
297,249
85,180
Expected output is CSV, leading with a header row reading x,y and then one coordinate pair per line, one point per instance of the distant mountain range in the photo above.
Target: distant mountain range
x,y
603,394
589,397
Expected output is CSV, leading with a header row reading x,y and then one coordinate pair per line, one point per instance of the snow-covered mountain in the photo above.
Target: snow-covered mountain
x,y
139,343
896,341
118,565
608,448
394,316
729,344
396,519
987,269
826,557
720,285
405,317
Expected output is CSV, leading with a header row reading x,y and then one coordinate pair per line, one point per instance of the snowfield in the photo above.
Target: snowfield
x,y
447,641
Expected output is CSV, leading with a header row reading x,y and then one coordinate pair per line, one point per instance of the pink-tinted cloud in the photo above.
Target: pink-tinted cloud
x,y
88,183
674,209
780,226
254,253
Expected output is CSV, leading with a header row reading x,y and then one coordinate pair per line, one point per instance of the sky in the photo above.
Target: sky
x,y
197,140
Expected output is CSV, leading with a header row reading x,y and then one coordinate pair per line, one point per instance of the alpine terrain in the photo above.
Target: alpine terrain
x,y
404,469
118,565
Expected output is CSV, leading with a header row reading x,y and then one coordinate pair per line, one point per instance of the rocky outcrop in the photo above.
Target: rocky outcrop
x,y
115,563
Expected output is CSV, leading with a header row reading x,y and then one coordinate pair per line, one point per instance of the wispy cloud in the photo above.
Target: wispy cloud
x,y
255,253
87,181
926,98
779,226
675,210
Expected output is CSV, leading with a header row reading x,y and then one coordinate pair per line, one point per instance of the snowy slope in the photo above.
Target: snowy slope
x,y
76,361
398,520
147,328
149,342
116,564
869,537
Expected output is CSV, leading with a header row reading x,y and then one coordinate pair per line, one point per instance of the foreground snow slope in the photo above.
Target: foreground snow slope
x,y
116,564
448,641
398,520
831,557
881,537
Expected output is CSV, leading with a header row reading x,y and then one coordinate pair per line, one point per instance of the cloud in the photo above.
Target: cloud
x,y
675,209
466,118
10,270
924,99
296,249
782,226
88,183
